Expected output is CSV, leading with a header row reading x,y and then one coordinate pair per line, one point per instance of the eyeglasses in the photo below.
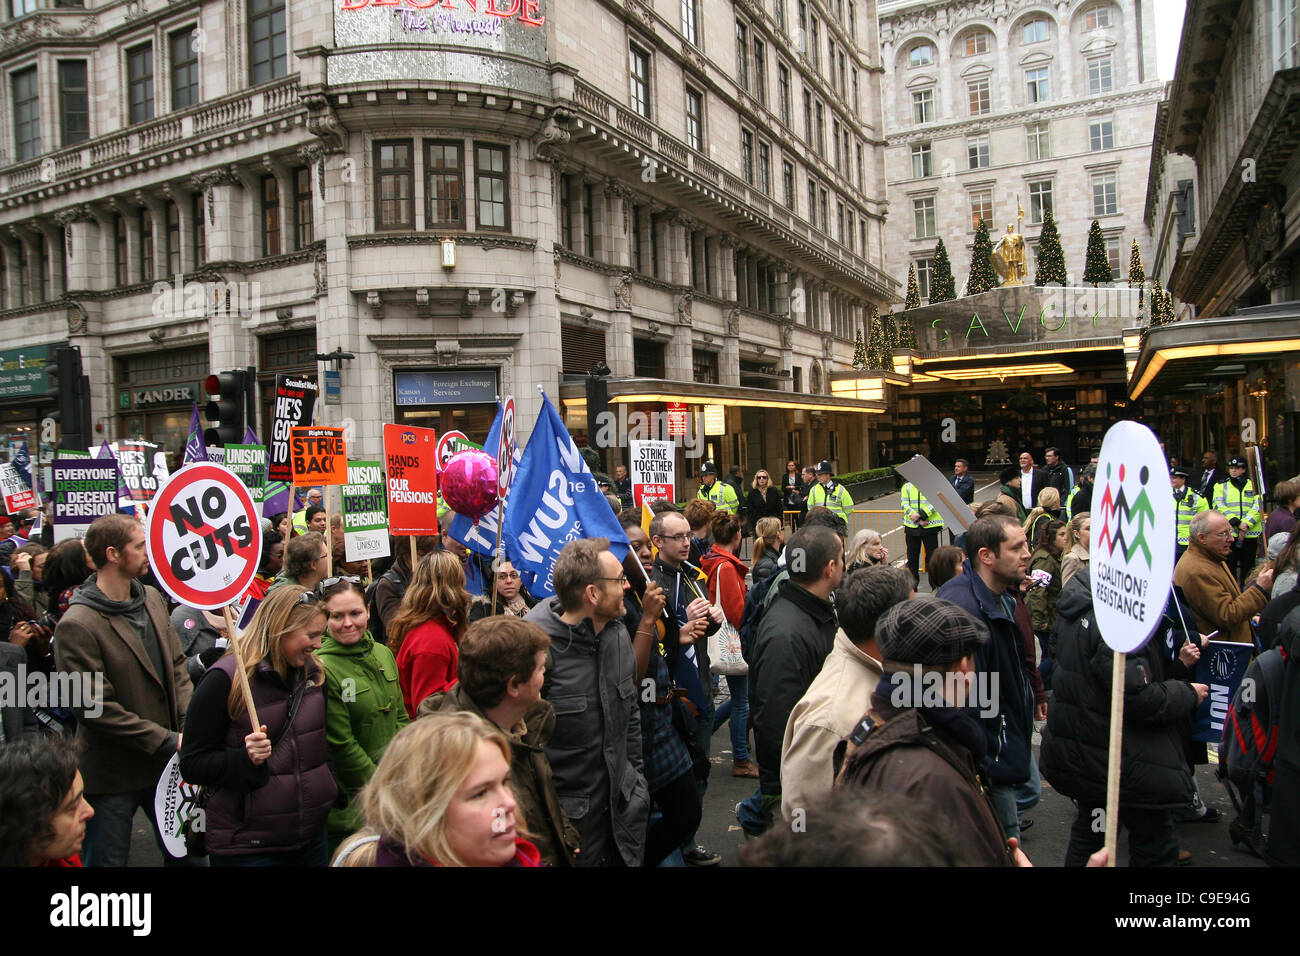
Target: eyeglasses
x,y
1220,534
507,575
330,582
621,579
685,536
762,478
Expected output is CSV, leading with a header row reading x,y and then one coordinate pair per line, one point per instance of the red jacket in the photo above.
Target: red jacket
x,y
426,662
725,566
74,860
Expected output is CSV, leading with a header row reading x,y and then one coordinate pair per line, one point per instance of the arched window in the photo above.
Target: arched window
x,y
1097,18
921,55
1035,31
975,43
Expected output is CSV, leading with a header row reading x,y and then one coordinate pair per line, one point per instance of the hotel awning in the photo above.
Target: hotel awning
x,y
1190,353
635,391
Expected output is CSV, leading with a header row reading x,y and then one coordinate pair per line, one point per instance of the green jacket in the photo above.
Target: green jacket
x,y
1186,507
531,781
722,495
1240,503
1042,601
913,502
363,711
837,499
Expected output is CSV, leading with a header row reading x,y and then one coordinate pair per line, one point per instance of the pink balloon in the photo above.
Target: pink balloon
x,y
469,483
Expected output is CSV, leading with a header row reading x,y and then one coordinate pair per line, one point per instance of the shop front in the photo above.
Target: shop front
x,y
463,400
156,395
27,397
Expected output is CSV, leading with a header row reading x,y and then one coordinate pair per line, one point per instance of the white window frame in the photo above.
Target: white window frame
x,y
924,214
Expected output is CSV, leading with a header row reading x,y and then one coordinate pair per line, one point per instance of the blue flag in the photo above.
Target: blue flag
x,y
195,449
22,462
554,500
482,537
1221,668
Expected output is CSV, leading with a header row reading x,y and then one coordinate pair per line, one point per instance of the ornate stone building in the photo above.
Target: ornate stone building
x,y
473,198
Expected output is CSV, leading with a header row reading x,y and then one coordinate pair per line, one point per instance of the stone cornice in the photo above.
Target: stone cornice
x,y
486,240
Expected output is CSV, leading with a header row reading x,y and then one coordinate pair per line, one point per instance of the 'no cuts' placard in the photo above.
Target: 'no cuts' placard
x,y
204,537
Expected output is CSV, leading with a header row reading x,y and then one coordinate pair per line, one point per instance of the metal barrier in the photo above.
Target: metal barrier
x,y
888,523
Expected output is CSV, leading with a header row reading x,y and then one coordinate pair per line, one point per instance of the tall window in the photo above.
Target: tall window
x,y
857,107
690,21
765,168
807,118
24,283
823,208
981,207
977,92
173,238
1040,200
839,223
977,152
394,185
783,92
589,220
198,210
492,169
844,89
920,55
815,43
74,102
1038,84
742,56
18,7
760,71
566,212
270,216
851,232
1112,256
27,113
146,245
821,130
812,201
694,119
267,40
42,268
1035,31
444,185
747,155
924,268
830,57
835,135
139,71
1038,141
787,184
120,275
860,171
302,208
185,69
1101,134
638,216
1099,75
923,217
1105,201
922,160
923,106
1286,33
975,43
639,68
1097,18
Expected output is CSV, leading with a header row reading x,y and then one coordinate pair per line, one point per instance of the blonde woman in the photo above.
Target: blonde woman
x,y
769,539
271,786
440,797
1076,555
868,548
425,633
1049,507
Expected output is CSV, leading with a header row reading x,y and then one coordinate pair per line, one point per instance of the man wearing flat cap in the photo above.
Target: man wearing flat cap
x,y
920,739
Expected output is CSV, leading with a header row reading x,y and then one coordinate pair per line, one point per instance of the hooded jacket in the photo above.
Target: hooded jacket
x,y
595,751
1010,730
531,779
146,688
1154,774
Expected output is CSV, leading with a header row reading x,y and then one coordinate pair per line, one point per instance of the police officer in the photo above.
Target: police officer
x,y
1187,504
830,494
921,525
1236,500
1080,497
720,493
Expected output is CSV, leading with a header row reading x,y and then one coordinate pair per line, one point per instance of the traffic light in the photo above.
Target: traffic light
x,y
228,399
73,391
597,406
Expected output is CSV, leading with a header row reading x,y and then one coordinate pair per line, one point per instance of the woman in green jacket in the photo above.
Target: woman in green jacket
x,y
363,702
1041,599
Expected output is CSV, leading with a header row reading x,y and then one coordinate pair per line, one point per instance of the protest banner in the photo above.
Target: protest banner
x,y
84,489
249,463
318,456
204,540
295,403
174,802
937,490
451,442
411,464
143,468
365,512
17,493
654,465
554,500
483,535
1132,558
1221,667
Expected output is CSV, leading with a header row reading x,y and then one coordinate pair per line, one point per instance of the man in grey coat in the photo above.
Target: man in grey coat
x,y
595,752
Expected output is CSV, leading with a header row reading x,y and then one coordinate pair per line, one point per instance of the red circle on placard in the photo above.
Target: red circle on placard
x,y
505,447
205,591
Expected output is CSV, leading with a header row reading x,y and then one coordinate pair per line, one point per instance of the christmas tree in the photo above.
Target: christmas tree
x,y
890,338
877,353
913,290
982,277
1051,260
1097,267
942,287
1137,276
859,352
906,332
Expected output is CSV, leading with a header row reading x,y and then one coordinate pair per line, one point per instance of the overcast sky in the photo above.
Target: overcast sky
x,y
1169,27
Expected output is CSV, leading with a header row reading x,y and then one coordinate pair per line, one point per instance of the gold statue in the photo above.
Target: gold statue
x,y
1008,256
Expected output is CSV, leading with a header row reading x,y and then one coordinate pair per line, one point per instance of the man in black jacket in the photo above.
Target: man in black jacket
x,y
1032,480
1059,475
1155,779
794,637
1210,475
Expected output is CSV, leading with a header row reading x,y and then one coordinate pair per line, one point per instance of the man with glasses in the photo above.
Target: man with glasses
x,y
595,752
1210,588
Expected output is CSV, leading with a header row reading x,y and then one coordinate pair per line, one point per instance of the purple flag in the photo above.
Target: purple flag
x,y
195,449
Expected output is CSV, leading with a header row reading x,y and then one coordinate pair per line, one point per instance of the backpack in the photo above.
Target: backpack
x,y
1250,730
755,605
372,604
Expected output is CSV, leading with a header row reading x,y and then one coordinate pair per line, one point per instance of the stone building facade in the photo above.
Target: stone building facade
x,y
472,198
996,101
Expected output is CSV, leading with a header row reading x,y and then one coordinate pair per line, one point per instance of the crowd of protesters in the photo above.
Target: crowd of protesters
x,y
429,711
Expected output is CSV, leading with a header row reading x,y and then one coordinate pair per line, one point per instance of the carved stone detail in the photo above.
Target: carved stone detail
x,y
554,135
78,213
376,303
448,351
320,270
684,308
733,322
322,121
622,291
